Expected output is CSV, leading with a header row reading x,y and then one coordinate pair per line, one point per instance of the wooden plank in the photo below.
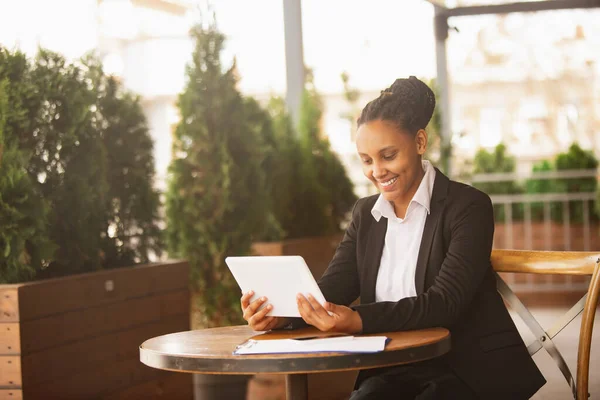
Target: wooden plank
x,y
171,385
91,384
9,304
11,394
545,262
94,289
10,372
77,325
61,362
10,339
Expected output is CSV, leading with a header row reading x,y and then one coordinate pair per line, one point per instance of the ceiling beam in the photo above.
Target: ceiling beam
x,y
527,6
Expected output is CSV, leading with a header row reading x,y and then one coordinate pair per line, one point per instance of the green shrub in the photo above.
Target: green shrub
x,y
216,200
326,194
577,158
498,162
24,245
540,186
88,154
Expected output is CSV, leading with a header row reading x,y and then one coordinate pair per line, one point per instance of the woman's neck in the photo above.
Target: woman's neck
x,y
400,205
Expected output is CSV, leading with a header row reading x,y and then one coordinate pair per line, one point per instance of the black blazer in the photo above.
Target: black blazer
x,y
455,286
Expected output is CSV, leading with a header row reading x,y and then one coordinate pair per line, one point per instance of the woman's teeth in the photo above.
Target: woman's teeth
x,y
388,183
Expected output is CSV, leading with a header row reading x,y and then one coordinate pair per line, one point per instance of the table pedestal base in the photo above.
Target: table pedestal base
x,y
296,386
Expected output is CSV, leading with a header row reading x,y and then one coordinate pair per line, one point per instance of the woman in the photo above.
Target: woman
x,y
418,256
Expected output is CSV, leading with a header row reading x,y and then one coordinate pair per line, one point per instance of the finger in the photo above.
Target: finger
x,y
252,307
271,324
260,315
332,308
319,310
305,309
265,324
245,300
257,318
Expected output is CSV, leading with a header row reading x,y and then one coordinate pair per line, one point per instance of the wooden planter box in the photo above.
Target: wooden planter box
x,y
77,337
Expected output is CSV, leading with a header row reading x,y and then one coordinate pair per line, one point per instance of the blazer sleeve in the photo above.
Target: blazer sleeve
x,y
462,272
340,283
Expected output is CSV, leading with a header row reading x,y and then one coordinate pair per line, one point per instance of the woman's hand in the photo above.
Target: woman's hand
x,y
258,320
342,319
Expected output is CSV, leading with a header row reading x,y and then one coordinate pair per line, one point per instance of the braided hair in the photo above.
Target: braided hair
x,y
408,103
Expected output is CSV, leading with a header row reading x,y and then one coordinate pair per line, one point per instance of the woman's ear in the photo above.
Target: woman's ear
x,y
421,141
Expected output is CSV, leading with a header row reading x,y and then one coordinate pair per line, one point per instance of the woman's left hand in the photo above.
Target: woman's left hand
x,y
342,319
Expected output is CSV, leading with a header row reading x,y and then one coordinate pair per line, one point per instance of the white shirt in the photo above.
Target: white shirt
x,y
396,276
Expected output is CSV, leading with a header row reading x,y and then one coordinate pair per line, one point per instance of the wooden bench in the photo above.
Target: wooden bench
x,y
556,263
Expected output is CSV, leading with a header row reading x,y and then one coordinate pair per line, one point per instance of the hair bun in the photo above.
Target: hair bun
x,y
424,99
407,102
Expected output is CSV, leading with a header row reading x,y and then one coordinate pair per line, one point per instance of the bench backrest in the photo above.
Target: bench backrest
x,y
560,263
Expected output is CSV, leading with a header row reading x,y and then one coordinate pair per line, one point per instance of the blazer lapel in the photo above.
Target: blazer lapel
x,y
440,189
372,259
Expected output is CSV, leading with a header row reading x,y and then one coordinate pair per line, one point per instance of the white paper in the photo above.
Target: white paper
x,y
345,344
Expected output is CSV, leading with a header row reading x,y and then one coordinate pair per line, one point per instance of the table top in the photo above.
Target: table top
x,y
210,351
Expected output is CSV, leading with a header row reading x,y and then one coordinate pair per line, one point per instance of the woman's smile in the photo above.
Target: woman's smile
x,y
388,185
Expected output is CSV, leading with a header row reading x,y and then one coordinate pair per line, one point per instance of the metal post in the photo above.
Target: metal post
x,y
296,386
441,35
294,56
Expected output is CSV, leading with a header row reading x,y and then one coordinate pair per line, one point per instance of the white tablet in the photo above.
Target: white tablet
x,y
278,278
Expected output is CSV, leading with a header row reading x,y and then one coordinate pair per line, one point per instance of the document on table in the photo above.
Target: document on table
x,y
344,344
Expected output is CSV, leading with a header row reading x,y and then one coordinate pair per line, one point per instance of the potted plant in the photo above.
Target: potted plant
x,y
76,201
216,200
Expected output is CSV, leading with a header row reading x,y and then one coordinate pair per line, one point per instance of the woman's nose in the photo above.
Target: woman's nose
x,y
378,171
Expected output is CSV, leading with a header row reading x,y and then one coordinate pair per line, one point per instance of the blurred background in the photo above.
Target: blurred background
x,y
142,131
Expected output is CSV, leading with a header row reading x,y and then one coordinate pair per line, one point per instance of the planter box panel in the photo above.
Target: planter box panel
x,y
10,339
90,354
175,386
100,319
93,383
124,379
9,303
78,337
10,372
10,394
44,298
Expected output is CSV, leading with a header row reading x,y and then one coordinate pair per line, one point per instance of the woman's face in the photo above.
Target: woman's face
x,y
391,158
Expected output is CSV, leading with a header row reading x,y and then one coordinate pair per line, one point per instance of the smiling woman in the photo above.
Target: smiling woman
x,y
418,256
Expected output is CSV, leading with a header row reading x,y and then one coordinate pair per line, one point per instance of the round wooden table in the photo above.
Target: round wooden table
x,y
210,351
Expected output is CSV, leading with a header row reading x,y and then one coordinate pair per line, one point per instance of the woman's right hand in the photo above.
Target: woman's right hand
x,y
258,320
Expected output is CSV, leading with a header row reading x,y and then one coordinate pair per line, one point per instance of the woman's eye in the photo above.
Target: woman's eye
x,y
366,162
389,157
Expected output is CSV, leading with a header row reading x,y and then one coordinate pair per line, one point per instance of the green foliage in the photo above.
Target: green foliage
x,y
282,164
310,191
132,202
62,122
534,186
216,200
577,158
324,193
24,245
497,162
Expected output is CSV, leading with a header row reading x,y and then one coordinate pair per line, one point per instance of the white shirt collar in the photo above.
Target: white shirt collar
x,y
384,208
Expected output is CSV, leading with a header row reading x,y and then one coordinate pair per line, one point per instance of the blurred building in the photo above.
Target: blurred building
x,y
531,81
144,43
